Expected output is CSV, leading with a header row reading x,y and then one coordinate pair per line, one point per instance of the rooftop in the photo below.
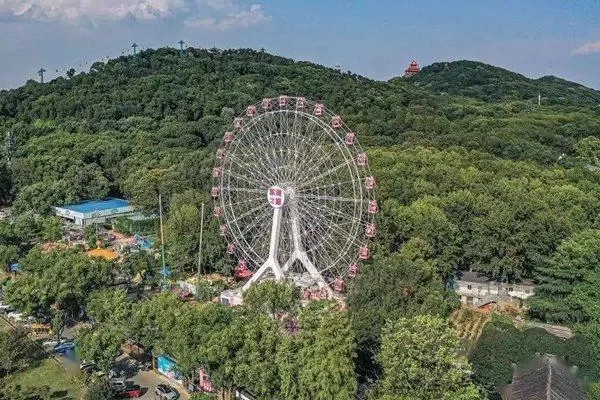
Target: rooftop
x,y
545,379
476,277
96,205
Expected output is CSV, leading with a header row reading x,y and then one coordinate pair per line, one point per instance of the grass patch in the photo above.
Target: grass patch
x,y
45,376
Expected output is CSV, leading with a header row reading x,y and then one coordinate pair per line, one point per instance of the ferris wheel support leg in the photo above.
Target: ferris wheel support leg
x,y
272,263
300,254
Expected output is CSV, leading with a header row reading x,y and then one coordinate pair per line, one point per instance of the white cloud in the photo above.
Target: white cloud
x,y
73,10
588,48
207,14
237,18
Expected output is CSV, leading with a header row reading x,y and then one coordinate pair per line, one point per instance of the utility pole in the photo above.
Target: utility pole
x,y
200,242
41,74
135,46
181,43
162,241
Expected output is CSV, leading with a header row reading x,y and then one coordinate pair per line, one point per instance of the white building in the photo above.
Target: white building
x,y
94,211
477,289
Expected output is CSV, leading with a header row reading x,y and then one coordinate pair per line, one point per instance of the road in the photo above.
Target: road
x,y
148,380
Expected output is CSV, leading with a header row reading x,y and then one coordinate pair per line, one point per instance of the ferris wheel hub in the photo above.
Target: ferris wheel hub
x,y
276,196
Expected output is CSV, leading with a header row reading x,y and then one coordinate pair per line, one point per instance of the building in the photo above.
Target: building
x,y
477,290
412,69
94,211
544,379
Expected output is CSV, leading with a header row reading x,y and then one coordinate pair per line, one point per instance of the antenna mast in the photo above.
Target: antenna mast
x,y
135,46
41,74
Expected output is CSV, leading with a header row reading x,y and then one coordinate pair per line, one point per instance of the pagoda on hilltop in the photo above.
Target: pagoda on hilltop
x,y
412,69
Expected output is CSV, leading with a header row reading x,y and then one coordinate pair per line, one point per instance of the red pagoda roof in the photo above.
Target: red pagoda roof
x,y
412,69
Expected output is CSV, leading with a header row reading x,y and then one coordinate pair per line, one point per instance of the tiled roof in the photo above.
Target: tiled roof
x,y
545,379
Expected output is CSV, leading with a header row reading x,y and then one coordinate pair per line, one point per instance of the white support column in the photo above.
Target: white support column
x,y
272,262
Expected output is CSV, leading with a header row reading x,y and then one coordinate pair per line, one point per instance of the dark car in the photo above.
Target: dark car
x,y
166,392
131,391
64,347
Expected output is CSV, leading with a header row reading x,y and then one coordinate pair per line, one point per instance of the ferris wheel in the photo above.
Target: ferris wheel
x,y
294,195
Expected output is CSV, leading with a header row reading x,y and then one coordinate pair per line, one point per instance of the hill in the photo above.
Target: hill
x,y
489,83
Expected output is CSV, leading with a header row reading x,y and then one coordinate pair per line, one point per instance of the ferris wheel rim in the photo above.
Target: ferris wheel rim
x,y
311,198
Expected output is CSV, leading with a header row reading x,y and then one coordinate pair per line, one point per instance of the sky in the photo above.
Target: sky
x,y
375,38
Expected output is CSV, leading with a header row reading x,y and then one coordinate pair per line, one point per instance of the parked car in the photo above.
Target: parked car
x,y
131,391
54,342
63,347
166,392
88,367
117,384
16,316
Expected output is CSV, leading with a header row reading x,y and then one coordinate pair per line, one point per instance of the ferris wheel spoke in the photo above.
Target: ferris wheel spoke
x,y
324,174
249,212
248,179
263,219
320,210
244,166
329,198
242,190
315,165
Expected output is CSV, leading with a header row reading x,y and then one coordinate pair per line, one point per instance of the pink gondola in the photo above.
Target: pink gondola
x,y
230,248
364,253
338,285
283,101
323,294
215,191
306,294
353,270
223,230
300,103
373,207
251,111
221,154
238,123
217,172
319,110
266,104
370,183
362,159
229,136
350,139
370,231
336,121
218,212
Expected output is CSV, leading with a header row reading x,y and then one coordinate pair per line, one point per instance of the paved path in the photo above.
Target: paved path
x,y
148,380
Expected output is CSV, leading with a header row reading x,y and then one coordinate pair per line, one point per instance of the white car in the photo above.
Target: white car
x,y
15,315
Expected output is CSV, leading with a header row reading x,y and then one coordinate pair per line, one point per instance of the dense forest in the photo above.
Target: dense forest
x,y
472,174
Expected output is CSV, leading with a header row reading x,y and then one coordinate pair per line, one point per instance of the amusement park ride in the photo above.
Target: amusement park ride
x,y
295,197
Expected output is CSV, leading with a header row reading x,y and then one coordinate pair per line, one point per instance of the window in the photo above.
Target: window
x,y
469,287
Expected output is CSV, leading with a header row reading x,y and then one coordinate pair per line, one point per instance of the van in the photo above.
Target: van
x,y
117,384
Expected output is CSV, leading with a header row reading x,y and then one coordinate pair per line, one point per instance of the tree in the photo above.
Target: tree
x,y
326,354
52,229
58,323
420,358
402,284
101,345
98,390
567,289
109,306
273,297
15,350
90,234
8,254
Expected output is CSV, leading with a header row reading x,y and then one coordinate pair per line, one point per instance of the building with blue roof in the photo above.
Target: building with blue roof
x,y
89,212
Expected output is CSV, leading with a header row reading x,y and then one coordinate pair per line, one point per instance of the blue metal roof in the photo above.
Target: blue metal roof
x,y
97,205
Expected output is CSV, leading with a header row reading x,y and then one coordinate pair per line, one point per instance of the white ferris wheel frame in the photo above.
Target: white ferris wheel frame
x,y
293,175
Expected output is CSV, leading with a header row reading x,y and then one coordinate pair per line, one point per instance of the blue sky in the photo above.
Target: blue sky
x,y
376,38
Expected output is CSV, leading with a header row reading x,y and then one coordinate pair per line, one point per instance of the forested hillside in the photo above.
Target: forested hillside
x,y
479,178
486,82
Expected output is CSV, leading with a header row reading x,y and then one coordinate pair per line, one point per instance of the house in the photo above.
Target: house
x,y
476,290
544,379
94,211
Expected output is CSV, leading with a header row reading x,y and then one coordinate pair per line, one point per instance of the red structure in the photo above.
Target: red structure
x,y
412,69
